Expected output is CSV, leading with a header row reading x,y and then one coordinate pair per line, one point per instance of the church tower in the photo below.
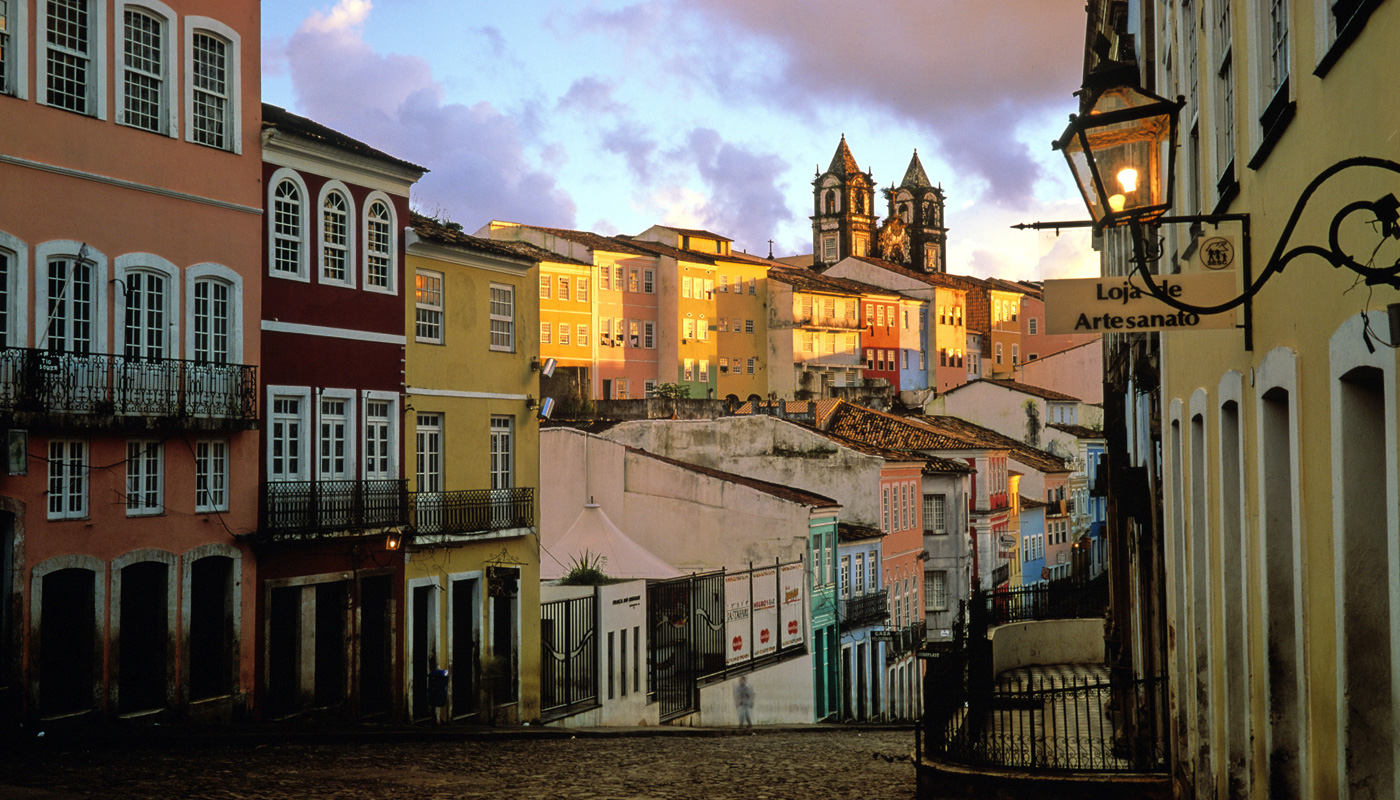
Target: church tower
x,y
843,205
914,234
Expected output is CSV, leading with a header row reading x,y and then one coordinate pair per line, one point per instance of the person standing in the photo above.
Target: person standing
x,y
743,701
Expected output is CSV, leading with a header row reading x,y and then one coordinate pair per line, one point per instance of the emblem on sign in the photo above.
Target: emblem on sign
x,y
1218,253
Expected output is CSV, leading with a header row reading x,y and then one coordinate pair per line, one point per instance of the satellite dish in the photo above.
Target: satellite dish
x,y
548,369
547,407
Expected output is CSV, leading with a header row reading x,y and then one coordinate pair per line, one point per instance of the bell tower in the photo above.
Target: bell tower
x,y
843,210
914,234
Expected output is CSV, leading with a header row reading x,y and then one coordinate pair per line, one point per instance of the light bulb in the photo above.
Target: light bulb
x,y
1116,202
1127,178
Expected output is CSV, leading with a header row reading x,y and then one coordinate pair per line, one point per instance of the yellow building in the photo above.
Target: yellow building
x,y
472,565
1280,438
568,331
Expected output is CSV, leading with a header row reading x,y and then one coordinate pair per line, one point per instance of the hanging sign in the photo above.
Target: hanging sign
x,y
736,617
765,611
1125,305
790,580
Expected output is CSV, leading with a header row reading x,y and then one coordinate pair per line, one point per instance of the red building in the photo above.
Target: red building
x,y
880,339
333,498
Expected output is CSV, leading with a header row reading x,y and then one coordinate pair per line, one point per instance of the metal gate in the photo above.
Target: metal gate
x,y
687,639
569,663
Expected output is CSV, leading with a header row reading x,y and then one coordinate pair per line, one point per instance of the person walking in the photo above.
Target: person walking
x,y
743,701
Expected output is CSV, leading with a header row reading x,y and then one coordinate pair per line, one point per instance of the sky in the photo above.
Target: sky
x,y
616,115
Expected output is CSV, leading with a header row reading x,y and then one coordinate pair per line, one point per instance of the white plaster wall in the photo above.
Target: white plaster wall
x,y
768,449
1058,641
782,696
621,606
1077,372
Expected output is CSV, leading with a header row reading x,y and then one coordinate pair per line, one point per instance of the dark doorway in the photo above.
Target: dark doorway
x,y
504,589
332,602
9,645
211,628
376,660
67,650
861,682
283,649
466,649
846,686
143,664
423,659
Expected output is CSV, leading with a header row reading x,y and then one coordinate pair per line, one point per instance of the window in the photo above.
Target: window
x,y
935,514
563,333
379,247
702,329
1278,46
998,352
68,479
144,327
210,79
145,103
748,326
617,278
689,366
546,333
379,458
621,389
7,273
938,590
428,465
723,324
68,327
724,365
71,63
335,461
648,281
1033,326
545,283
685,287
284,449
649,387
1224,90
845,576
704,371
858,582
829,249
210,476
709,290
633,340
288,243
904,359
687,329
880,316
144,478
723,284
648,334
752,363
582,294
582,338
8,22
885,509
632,283
1015,354
335,238
563,287
502,317
429,307
502,453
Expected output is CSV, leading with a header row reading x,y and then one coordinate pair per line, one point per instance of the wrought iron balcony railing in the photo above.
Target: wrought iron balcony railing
x,y
865,609
906,639
311,508
471,511
93,388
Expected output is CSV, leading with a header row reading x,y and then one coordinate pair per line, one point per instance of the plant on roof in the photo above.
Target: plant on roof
x,y
586,569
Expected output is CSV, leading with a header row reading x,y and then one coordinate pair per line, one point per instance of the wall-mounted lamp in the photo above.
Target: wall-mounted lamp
x,y
529,401
394,539
546,368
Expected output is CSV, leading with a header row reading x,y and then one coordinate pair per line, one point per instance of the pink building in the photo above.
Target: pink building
x,y
129,253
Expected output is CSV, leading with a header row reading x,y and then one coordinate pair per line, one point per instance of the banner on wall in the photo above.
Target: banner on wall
x,y
765,611
790,580
736,618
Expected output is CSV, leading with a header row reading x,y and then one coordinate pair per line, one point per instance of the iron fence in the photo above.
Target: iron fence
x,y
568,638
69,385
905,640
865,609
1067,598
320,507
470,511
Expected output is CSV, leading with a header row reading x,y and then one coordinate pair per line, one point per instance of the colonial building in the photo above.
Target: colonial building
x,y
129,266
843,210
914,233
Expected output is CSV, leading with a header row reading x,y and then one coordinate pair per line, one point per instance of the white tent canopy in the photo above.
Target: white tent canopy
x,y
595,535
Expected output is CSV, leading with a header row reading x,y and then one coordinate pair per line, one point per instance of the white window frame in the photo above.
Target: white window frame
x,y
207,271
307,440
581,336
17,61
429,424
352,426
302,272
152,265
546,333
72,486
564,334
233,81
215,474
581,289
508,347
170,72
422,308
327,189
546,286
648,281
565,288
68,249
649,388
394,417
145,459
498,423
393,267
649,335
17,291
97,58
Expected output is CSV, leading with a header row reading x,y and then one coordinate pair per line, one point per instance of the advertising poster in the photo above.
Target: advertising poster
x,y
736,618
790,598
765,611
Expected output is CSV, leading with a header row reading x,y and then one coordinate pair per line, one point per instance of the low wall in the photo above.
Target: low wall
x,y
939,779
1055,641
782,695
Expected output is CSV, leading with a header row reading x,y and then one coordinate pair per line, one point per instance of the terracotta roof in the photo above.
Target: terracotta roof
x,y
1023,388
808,281
947,466
1032,457
593,241
931,278
914,176
1013,286
891,432
803,261
696,232
444,233
283,120
657,248
749,258
843,163
1030,502
1077,431
775,489
847,532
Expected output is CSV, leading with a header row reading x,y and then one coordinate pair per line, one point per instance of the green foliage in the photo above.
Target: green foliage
x,y
586,570
675,391
1032,423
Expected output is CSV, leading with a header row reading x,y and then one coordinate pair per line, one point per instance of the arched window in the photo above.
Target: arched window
x,y
830,202
211,320
380,262
335,238
288,228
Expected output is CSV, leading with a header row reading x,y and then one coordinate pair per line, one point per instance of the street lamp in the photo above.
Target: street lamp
x,y
1123,155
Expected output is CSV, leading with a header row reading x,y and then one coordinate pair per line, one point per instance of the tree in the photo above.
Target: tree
x,y
674,391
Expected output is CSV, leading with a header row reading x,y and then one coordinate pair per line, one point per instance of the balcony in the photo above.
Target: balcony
x,y
828,323
865,609
44,388
905,640
311,509
478,511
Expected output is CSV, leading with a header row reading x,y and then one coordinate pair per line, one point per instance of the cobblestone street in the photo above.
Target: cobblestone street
x,y
838,763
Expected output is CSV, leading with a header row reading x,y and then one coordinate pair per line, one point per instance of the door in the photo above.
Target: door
x,y
502,472
465,663
149,384
336,494
429,474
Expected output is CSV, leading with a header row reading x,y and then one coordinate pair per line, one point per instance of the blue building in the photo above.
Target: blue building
x,y
862,610
1033,569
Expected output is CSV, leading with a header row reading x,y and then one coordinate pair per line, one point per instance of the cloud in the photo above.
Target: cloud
x,y
590,96
745,200
631,142
480,169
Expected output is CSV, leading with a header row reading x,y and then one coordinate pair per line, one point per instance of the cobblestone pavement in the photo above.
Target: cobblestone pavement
x,y
836,763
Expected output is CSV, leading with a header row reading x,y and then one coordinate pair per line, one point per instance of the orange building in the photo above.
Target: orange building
x,y
130,240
